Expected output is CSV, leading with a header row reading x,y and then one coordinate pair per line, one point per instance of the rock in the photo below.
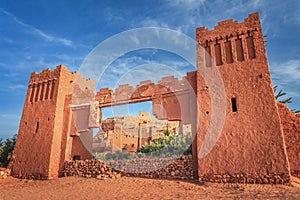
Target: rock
x,y
118,175
4,173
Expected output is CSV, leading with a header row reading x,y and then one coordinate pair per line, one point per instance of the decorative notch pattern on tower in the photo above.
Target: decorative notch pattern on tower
x,y
239,48
42,90
230,46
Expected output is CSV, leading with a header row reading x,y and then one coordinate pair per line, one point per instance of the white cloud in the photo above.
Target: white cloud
x,y
287,72
112,15
286,76
150,22
14,87
179,15
9,116
37,32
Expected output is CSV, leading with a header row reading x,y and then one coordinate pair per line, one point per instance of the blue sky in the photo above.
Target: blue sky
x,y
35,35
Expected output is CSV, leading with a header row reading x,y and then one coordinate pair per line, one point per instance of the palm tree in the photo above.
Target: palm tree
x,y
284,101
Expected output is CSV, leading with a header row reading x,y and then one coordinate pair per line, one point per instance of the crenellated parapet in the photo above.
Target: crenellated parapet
x,y
42,85
104,95
144,91
230,41
83,91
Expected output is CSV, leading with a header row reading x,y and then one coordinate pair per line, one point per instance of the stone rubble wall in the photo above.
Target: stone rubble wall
x,y
179,169
246,178
166,169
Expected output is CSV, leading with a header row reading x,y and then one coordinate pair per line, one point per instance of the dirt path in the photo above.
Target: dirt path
x,y
137,188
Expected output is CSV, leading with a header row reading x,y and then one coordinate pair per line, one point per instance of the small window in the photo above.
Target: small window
x,y
76,157
233,105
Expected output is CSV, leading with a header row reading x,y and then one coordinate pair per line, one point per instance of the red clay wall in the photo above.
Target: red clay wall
x,y
251,142
73,90
290,122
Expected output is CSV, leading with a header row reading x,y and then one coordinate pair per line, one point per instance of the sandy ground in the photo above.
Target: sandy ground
x,y
138,188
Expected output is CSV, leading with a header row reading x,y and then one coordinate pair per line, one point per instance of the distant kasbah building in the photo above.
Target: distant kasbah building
x,y
132,132
259,138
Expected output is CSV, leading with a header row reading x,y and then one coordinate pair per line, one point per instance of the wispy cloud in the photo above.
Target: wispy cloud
x,y
183,22
187,4
14,88
134,69
37,32
288,72
9,124
286,76
113,15
9,116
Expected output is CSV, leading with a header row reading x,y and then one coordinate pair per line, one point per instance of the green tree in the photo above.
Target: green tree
x,y
167,145
6,150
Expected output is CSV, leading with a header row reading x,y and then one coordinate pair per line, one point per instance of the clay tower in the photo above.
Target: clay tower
x,y
47,134
251,141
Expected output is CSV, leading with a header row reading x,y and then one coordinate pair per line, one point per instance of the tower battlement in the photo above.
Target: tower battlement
x,y
232,42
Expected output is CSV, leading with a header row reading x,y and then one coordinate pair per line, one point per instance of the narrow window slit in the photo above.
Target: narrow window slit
x,y
32,93
218,54
52,89
251,48
37,93
228,51
207,54
233,105
239,49
47,90
42,92
37,127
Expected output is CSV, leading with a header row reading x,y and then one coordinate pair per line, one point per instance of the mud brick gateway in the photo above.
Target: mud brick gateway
x,y
260,138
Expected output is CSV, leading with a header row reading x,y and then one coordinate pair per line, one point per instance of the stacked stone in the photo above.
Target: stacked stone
x,y
246,178
295,173
144,167
168,168
4,173
90,169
